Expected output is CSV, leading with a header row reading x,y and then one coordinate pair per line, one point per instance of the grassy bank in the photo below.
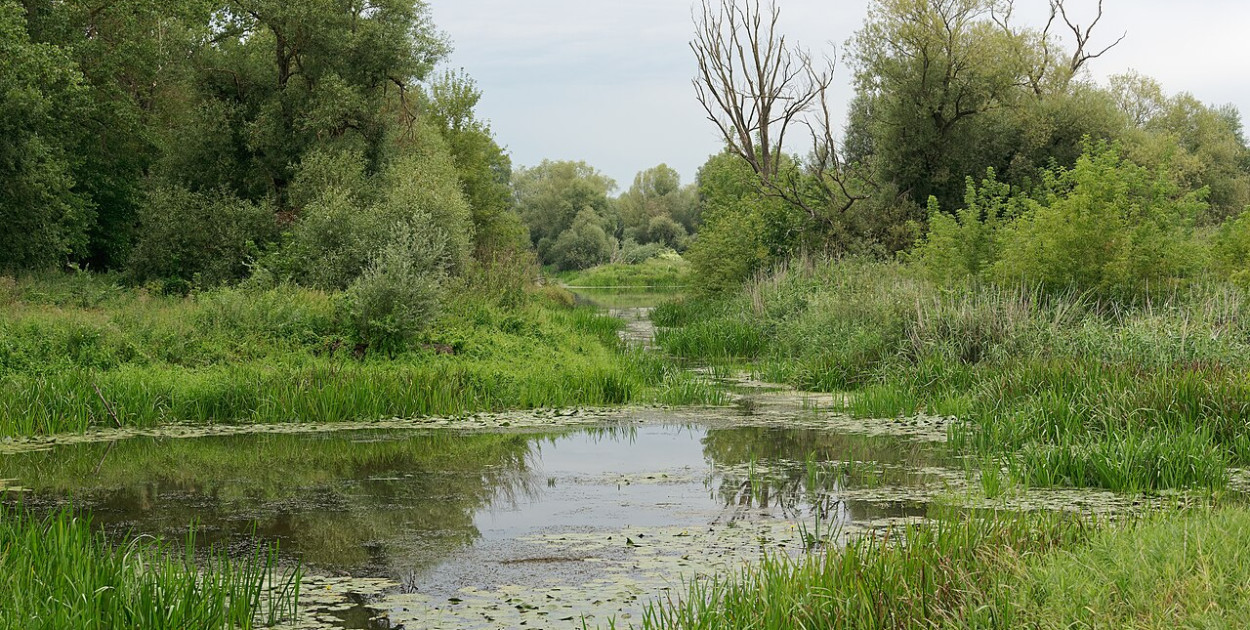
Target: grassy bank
x,y
1002,571
82,351
1057,390
56,573
665,271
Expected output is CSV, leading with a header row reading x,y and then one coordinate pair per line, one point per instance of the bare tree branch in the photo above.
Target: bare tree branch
x,y
755,87
1083,36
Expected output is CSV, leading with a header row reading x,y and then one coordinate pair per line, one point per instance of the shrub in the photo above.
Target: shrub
x,y
583,245
966,245
206,238
1230,250
397,295
1107,226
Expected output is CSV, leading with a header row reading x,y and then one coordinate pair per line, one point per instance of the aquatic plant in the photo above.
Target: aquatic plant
x,y
57,573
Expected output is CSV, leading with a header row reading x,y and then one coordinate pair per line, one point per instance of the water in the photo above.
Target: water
x,y
452,524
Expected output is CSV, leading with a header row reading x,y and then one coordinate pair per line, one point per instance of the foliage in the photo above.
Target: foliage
x,y
281,353
667,269
397,294
1202,146
207,238
584,244
1065,390
1107,226
552,196
350,217
484,169
732,242
965,246
41,98
1230,249
658,209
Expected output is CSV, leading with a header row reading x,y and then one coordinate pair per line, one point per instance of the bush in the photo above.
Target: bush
x,y
343,226
966,245
1230,250
664,230
203,238
1107,226
633,254
397,295
583,245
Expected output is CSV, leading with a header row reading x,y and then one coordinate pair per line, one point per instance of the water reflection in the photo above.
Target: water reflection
x,y
441,510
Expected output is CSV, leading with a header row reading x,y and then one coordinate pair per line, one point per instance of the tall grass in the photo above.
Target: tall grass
x,y
123,356
56,573
1073,391
914,577
1179,569
662,271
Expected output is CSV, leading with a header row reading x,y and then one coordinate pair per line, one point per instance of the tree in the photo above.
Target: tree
x,y
751,83
275,80
42,96
551,195
948,88
484,168
657,194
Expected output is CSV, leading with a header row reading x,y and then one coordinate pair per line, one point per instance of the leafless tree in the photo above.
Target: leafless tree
x,y
1082,54
755,86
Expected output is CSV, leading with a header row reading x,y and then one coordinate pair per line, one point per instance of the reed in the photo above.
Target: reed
x,y
57,573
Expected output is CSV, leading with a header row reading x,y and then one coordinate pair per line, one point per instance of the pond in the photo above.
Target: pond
x,y
425,528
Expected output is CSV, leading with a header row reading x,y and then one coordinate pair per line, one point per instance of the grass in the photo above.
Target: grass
x,y
1170,570
80,351
669,270
56,573
1071,391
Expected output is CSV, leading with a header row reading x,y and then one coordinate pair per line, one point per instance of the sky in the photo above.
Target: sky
x,y
609,81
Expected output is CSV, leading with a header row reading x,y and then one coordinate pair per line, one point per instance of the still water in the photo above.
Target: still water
x,y
456,529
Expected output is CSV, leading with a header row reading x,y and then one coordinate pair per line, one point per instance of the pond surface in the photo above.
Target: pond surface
x,y
451,528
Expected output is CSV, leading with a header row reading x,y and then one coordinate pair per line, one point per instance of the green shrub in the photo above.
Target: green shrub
x,y
964,246
583,245
1107,226
397,295
207,238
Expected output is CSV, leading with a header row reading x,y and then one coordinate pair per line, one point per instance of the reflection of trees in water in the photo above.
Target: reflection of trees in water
x,y
803,471
339,501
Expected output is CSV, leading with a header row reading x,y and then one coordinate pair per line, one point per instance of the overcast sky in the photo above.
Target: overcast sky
x,y
608,81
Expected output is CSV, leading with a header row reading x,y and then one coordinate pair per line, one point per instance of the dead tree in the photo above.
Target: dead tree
x,y
755,87
1081,55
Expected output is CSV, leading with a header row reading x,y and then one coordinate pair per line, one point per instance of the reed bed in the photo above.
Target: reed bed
x,y
1073,391
1166,570
79,351
56,573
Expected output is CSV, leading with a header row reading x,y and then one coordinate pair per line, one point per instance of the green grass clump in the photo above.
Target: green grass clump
x,y
919,576
1169,570
1187,571
1067,389
56,573
281,354
662,271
